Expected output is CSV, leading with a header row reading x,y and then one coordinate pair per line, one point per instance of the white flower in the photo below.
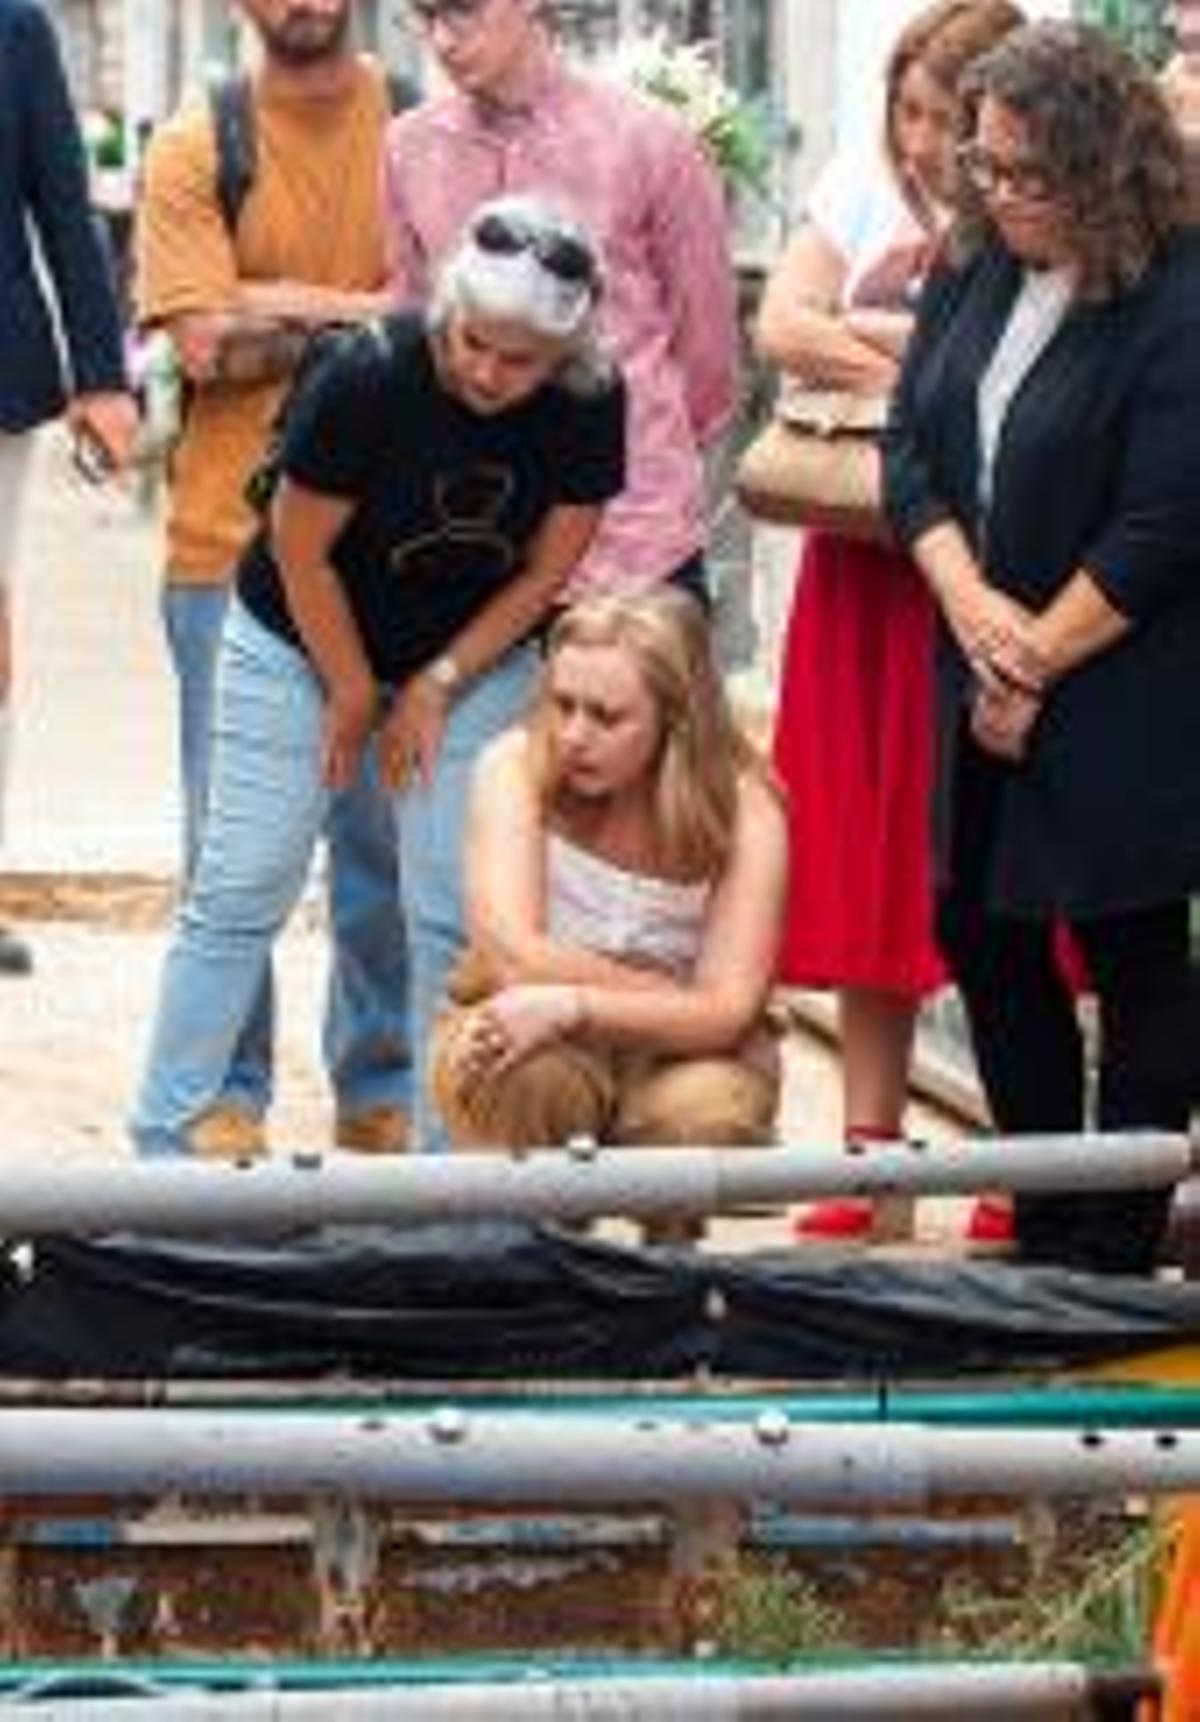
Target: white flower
x,y
684,75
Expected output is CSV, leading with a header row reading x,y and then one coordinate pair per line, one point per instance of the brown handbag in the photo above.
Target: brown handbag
x,y
817,463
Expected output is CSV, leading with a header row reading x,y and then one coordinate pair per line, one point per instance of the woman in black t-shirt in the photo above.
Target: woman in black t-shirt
x,y
440,477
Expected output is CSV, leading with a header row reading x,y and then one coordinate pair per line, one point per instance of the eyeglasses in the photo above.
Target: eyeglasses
x,y
456,16
1021,179
559,254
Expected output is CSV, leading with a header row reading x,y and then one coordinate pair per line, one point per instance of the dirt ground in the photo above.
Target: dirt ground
x,y
74,1031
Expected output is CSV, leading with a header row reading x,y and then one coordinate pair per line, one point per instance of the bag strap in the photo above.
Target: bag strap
x,y
231,103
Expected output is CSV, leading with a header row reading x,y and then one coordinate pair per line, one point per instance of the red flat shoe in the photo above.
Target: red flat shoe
x,y
990,1223
840,1217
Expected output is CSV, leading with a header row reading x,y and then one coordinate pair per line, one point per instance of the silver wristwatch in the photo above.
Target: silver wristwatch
x,y
444,673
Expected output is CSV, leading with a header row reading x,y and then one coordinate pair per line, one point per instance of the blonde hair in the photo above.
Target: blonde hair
x,y
703,752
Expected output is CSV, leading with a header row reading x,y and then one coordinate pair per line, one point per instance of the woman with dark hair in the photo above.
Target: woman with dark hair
x,y
1041,468
853,737
441,475
625,871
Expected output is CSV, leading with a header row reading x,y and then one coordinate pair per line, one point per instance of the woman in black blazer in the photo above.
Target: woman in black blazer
x,y
51,358
1043,467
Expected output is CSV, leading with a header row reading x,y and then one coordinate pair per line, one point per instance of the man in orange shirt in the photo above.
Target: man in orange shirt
x,y
239,301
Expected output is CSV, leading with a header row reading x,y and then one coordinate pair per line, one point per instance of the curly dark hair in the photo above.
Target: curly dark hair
x,y
1099,125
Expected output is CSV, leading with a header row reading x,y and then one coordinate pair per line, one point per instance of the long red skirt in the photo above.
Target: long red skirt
x,y
854,749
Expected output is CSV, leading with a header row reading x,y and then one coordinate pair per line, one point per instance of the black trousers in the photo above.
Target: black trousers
x,y
1027,1039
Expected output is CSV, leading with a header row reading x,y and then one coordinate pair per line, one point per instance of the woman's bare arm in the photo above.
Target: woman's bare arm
x,y
799,326
710,1011
725,996
411,736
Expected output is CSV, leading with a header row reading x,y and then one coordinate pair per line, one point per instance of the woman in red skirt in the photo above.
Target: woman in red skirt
x,y
854,729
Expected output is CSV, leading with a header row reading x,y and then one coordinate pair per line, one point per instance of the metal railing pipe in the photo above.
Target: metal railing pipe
x,y
456,1456
1041,1692
184,1196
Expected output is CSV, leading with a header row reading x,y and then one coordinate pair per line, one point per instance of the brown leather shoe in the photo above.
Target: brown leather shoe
x,y
227,1132
372,1130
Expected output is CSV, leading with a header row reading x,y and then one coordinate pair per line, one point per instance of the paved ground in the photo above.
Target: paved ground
x,y
90,853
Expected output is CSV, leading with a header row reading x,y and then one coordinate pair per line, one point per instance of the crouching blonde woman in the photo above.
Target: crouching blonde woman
x,y
625,871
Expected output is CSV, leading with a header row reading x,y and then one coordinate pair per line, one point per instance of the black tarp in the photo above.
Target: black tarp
x,y
500,1301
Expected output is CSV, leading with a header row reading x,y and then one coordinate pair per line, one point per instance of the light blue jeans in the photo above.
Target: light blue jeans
x,y
266,809
365,1038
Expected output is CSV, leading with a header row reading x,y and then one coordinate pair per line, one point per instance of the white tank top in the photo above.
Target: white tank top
x,y
635,916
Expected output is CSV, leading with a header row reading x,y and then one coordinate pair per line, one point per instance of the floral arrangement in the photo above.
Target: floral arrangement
x,y
685,77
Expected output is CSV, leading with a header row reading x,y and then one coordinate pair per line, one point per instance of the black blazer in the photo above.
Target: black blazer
x,y
43,183
1098,466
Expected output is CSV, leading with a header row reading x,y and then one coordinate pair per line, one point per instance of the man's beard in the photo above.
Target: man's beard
x,y
306,38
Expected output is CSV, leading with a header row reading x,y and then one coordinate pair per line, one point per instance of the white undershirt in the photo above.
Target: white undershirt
x,y
1036,314
629,916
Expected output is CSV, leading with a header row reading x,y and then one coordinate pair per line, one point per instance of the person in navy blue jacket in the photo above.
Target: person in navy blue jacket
x,y
1041,466
60,336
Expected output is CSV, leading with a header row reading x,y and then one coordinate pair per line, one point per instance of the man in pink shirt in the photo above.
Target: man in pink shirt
x,y
517,118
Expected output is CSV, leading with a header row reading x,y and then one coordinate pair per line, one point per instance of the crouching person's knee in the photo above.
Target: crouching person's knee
x,y
553,1095
701,1102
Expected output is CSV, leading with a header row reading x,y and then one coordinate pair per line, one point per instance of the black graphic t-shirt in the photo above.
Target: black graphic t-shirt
x,y
447,500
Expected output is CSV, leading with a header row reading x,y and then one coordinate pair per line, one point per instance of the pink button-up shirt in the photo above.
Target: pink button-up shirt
x,y
632,174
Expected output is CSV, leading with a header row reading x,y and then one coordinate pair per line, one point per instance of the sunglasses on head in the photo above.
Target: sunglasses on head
x,y
559,254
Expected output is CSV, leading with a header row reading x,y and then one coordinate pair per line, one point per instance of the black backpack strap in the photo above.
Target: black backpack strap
x,y
231,103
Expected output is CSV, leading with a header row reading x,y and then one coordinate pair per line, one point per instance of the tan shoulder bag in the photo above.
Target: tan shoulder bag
x,y
817,463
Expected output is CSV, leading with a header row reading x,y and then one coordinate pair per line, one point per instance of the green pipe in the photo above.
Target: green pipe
x,y
1024,1406
231,1674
